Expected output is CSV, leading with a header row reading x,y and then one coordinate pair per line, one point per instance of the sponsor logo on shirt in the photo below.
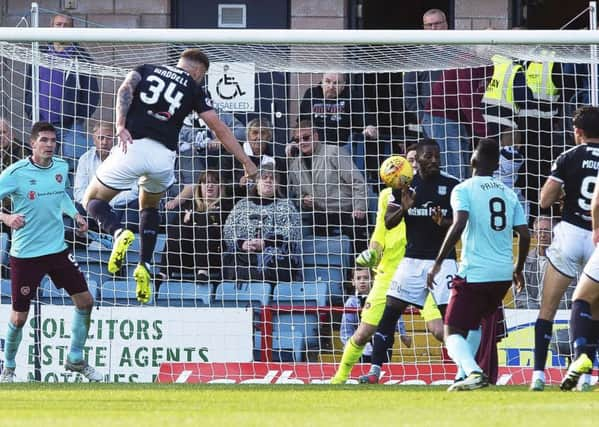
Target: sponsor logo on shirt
x,y
31,195
442,190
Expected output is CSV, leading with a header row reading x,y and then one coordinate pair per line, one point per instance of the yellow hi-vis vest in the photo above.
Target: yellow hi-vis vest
x,y
540,82
500,91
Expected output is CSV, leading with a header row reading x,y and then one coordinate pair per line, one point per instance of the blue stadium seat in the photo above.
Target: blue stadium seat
x,y
4,243
5,291
296,332
51,295
301,293
252,294
326,251
120,292
332,277
183,294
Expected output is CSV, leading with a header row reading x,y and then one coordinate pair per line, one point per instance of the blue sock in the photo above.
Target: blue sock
x,y
79,330
460,353
11,344
149,225
581,325
543,331
473,340
104,215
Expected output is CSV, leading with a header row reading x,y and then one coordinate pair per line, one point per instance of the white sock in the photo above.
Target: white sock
x,y
584,379
538,375
460,353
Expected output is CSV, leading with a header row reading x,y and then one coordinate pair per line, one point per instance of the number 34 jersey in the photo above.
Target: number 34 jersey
x,y
576,169
493,211
163,98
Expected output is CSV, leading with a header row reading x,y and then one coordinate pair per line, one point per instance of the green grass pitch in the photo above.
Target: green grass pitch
x,y
164,405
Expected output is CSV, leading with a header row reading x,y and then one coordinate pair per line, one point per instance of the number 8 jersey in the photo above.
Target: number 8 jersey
x,y
576,169
493,211
163,98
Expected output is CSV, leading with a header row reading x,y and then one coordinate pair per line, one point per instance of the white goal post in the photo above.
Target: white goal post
x,y
270,331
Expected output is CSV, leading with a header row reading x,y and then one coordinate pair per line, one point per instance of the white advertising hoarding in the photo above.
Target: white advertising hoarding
x,y
127,344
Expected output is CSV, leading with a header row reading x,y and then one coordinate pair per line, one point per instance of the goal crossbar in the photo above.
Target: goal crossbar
x,y
291,37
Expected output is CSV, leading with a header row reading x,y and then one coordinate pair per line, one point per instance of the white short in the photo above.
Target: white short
x,y
146,161
409,281
591,268
570,249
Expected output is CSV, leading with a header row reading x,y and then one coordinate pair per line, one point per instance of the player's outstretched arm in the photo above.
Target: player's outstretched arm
x,y
226,137
451,238
124,98
550,193
523,247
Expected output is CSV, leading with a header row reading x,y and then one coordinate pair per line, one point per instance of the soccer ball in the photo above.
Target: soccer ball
x,y
396,172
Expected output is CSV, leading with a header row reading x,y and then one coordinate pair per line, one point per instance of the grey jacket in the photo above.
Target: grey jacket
x,y
334,182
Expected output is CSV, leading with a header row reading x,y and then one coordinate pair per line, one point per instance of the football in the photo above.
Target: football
x,y
396,172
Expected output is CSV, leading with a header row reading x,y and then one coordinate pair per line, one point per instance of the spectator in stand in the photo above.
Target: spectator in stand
x,y
258,146
263,234
362,282
194,244
511,160
541,120
417,84
329,189
200,149
11,151
67,96
125,204
453,116
257,139
334,112
338,116
534,269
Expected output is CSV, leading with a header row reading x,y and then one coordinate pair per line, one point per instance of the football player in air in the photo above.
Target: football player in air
x,y
152,103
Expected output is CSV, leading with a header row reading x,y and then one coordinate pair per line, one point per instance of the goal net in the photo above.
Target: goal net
x,y
280,313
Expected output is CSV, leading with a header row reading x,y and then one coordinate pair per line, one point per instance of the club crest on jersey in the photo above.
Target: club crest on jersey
x,y
163,116
442,190
58,178
25,290
31,195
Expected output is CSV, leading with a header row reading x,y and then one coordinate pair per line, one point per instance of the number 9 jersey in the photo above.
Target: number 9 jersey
x,y
576,169
163,98
493,211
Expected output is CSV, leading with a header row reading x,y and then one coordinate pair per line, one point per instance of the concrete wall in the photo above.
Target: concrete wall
x,y
326,14
109,13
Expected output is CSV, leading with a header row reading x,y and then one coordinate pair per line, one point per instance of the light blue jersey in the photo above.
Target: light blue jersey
x,y
39,195
493,210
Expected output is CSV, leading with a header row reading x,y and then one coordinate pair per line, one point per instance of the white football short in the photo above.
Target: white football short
x,y
570,248
591,268
409,281
146,161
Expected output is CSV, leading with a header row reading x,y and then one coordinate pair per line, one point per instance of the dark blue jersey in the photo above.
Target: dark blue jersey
x,y
163,98
424,235
576,169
